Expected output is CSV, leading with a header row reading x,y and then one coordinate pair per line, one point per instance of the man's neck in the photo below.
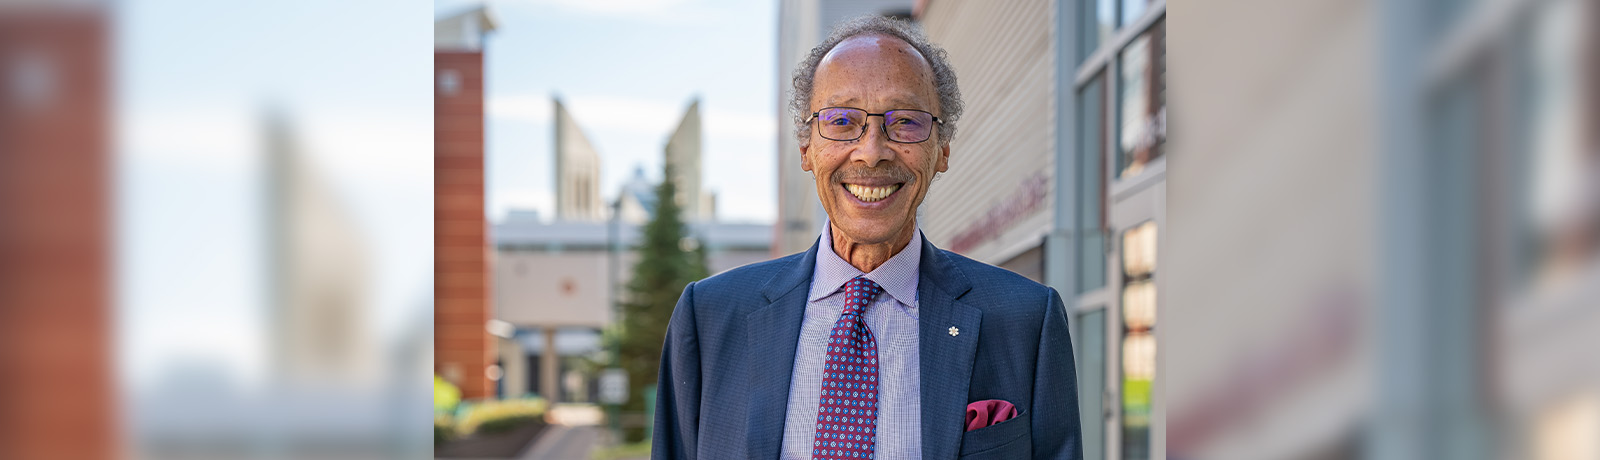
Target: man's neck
x,y
869,256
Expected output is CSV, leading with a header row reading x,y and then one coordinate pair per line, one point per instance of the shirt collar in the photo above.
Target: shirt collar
x,y
897,276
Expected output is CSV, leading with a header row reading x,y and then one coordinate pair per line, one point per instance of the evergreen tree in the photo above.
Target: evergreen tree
x,y
668,261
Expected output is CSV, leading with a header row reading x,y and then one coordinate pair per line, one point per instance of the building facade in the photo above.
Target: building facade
x,y
577,171
57,318
321,316
1058,172
558,284
994,204
463,350
683,153
1110,226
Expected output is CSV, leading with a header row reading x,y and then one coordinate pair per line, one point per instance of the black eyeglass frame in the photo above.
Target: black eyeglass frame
x,y
884,125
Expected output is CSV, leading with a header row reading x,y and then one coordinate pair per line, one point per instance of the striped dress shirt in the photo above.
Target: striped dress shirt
x,y
892,317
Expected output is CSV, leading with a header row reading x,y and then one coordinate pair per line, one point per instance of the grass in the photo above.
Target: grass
x,y
635,450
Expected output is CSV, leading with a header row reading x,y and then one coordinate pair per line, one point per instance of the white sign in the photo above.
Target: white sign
x,y
614,386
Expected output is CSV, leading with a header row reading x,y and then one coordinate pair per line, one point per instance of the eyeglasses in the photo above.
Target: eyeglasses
x,y
846,124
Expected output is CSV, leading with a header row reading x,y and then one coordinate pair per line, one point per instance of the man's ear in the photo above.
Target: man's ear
x,y
943,163
805,157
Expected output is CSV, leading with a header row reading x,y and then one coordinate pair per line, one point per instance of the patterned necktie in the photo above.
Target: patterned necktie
x,y
847,416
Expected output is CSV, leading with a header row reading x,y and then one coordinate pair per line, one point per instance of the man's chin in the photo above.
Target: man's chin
x,y
868,232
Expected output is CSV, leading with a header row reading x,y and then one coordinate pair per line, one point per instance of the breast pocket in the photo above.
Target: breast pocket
x,y
1008,439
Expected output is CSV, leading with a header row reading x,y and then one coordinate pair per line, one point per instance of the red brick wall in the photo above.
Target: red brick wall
x,y
462,348
56,383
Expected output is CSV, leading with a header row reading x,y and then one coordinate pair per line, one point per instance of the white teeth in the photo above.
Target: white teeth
x,y
871,194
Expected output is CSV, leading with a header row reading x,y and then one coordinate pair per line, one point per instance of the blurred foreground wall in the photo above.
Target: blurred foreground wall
x,y
55,285
1058,173
1384,230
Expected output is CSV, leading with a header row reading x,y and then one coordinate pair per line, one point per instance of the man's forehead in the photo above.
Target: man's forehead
x,y
877,47
880,56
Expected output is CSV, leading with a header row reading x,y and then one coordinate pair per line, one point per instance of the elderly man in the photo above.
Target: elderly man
x,y
873,343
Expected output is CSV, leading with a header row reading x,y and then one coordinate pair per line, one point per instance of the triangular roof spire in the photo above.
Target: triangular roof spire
x,y
463,31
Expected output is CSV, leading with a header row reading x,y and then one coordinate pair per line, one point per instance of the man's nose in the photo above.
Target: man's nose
x,y
874,146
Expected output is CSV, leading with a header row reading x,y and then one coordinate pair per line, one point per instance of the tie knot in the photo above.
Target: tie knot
x,y
858,293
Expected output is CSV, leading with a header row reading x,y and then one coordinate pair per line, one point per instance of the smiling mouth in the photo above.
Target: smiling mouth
x,y
871,194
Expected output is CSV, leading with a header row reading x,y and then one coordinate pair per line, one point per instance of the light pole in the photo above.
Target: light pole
x,y
613,239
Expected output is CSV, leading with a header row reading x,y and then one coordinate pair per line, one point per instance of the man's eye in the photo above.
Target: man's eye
x,y
904,122
841,121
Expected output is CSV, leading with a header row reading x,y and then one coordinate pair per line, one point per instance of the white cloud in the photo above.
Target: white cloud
x,y
749,205
635,116
658,118
676,12
230,340
525,108
504,200
364,146
206,135
613,7
740,125
350,144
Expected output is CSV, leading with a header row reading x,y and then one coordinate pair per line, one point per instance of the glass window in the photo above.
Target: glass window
x,y
1091,219
1141,101
1556,142
1091,335
1138,338
449,82
1095,23
1131,10
1444,14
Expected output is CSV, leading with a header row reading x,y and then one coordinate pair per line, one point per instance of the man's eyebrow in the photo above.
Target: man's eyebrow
x,y
837,102
894,103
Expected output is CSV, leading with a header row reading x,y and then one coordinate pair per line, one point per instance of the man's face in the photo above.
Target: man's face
x,y
871,186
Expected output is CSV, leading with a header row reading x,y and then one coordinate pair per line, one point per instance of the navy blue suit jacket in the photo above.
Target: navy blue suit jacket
x,y
730,347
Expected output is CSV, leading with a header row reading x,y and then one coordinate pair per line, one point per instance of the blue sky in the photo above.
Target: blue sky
x,y
627,69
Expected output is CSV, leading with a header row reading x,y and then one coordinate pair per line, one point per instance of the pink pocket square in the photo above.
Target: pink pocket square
x,y
988,412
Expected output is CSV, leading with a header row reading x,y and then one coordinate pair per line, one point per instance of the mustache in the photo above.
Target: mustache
x,y
893,173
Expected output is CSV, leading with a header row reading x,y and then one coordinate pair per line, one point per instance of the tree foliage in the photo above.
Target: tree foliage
x,y
669,259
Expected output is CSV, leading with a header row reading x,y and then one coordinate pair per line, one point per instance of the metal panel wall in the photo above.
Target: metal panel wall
x,y
995,200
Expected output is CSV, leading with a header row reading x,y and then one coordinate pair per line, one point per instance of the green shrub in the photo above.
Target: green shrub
x,y
444,428
445,395
495,416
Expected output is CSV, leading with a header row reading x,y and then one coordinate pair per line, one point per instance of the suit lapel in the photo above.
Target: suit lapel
x,y
773,331
946,358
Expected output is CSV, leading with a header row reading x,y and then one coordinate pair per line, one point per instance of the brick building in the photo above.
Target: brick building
x,y
55,266
463,350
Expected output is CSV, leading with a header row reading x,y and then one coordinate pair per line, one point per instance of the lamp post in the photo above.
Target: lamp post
x,y
613,237
613,263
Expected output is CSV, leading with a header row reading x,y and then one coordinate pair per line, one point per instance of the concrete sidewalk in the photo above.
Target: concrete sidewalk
x,y
565,443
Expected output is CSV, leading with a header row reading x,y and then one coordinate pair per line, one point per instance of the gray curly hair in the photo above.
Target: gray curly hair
x,y
944,76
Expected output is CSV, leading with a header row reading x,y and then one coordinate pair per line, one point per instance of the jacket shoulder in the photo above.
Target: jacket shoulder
x,y
985,274
744,281
998,287
752,275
